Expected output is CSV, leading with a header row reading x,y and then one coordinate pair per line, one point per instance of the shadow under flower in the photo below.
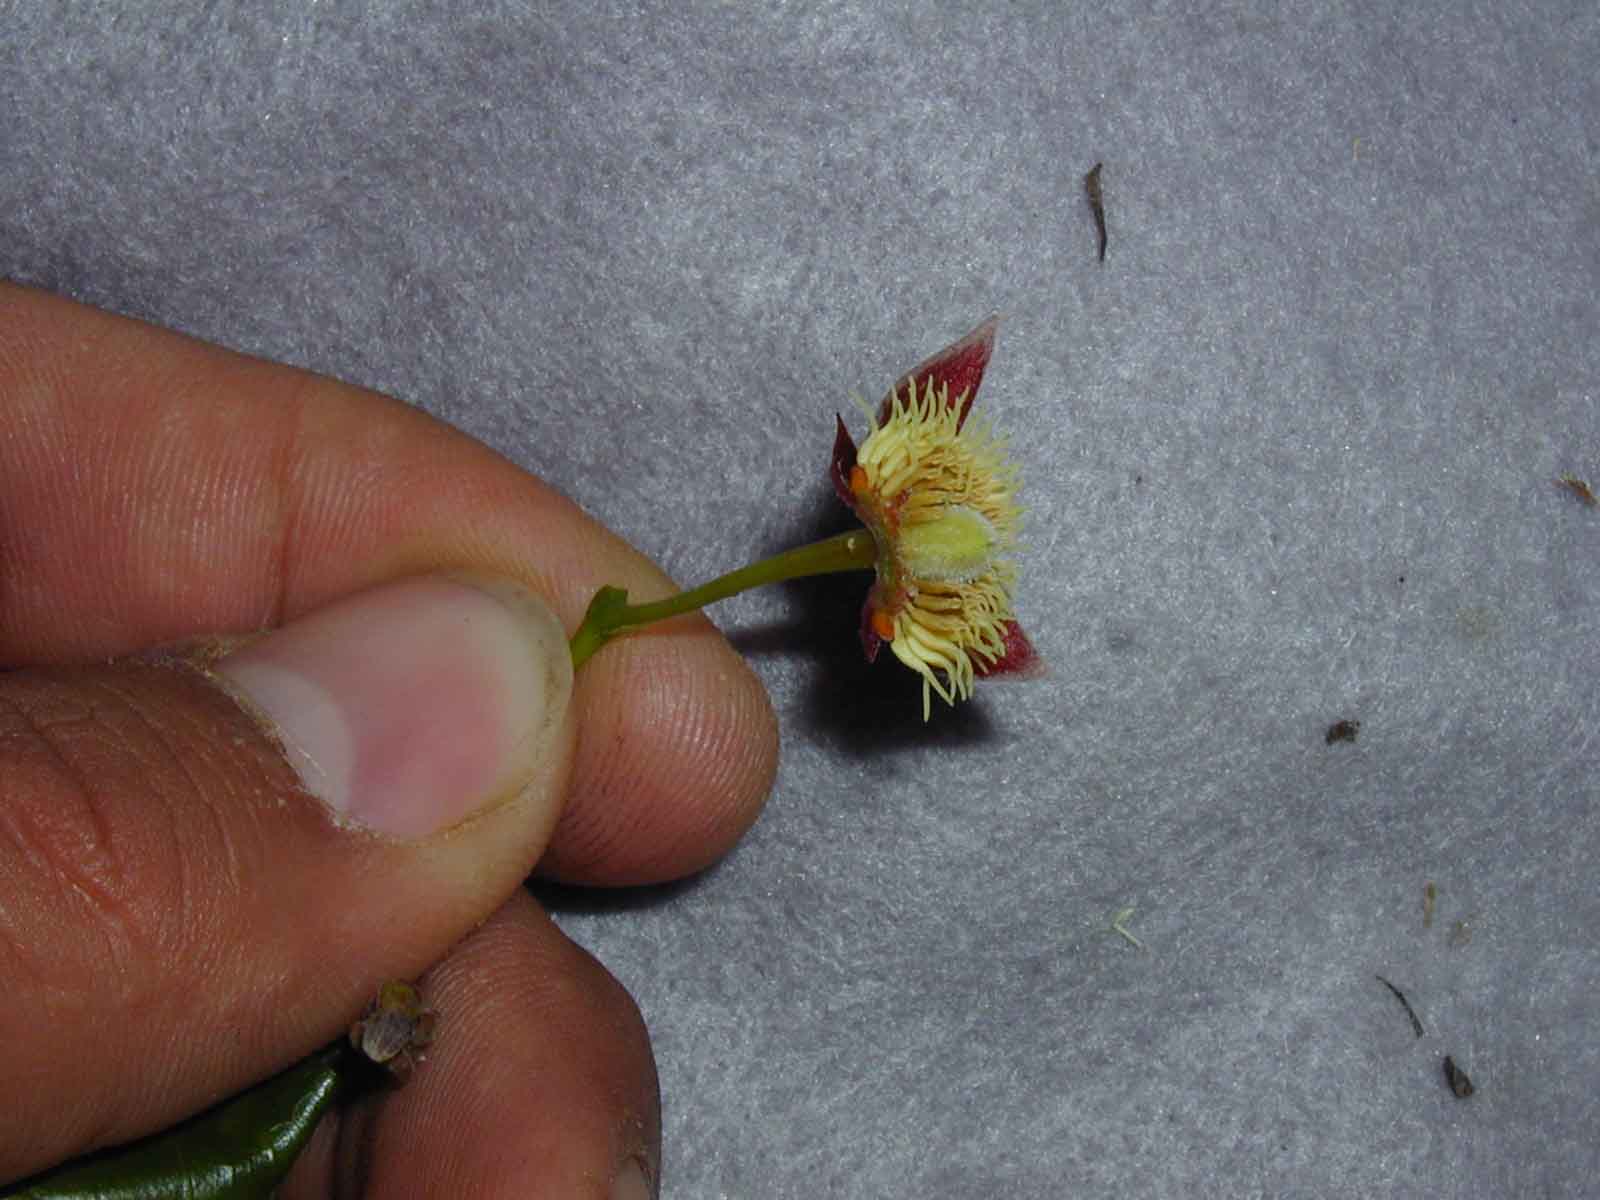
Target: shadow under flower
x,y
865,708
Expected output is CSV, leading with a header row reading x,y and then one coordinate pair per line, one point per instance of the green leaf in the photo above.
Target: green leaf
x,y
242,1148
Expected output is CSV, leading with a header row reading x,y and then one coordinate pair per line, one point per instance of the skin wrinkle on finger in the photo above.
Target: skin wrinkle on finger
x,y
138,497
209,792
246,500
78,853
181,771
61,869
209,515
92,793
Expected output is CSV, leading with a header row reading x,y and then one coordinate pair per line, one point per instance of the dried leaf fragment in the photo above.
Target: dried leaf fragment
x,y
1342,731
1457,1079
1578,488
1091,186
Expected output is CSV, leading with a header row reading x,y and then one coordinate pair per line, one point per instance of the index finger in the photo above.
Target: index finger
x,y
156,488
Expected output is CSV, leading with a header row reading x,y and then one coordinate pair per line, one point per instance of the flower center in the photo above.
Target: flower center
x,y
953,544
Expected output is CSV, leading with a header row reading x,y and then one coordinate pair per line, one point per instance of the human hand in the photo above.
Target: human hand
x,y
178,916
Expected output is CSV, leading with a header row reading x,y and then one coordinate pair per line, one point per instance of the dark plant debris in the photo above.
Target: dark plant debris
x,y
1457,1079
1577,487
1404,1003
1430,895
1097,206
1342,731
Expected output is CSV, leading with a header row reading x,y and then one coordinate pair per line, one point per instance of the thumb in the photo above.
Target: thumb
x,y
205,869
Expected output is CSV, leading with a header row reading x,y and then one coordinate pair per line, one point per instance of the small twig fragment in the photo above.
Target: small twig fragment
x,y
1404,1003
1457,1079
1117,925
1430,895
1578,488
1097,206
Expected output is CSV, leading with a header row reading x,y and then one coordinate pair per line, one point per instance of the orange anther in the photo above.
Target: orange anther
x,y
858,480
883,624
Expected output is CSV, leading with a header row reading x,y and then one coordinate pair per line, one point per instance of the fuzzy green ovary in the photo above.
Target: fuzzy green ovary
x,y
956,546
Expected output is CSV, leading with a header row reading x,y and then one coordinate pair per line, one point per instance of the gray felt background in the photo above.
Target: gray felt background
x,y
1290,456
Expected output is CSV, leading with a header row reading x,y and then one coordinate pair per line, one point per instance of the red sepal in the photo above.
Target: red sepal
x,y
871,643
844,461
1019,659
959,366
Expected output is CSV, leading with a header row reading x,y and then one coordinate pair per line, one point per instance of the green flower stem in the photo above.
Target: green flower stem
x,y
610,613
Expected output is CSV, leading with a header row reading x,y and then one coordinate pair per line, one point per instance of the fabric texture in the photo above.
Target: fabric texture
x,y
1290,457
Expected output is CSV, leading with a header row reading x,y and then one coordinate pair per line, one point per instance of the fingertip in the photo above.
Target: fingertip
x,y
678,747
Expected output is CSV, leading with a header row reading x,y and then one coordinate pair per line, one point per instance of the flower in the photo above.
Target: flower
x,y
938,502
939,498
